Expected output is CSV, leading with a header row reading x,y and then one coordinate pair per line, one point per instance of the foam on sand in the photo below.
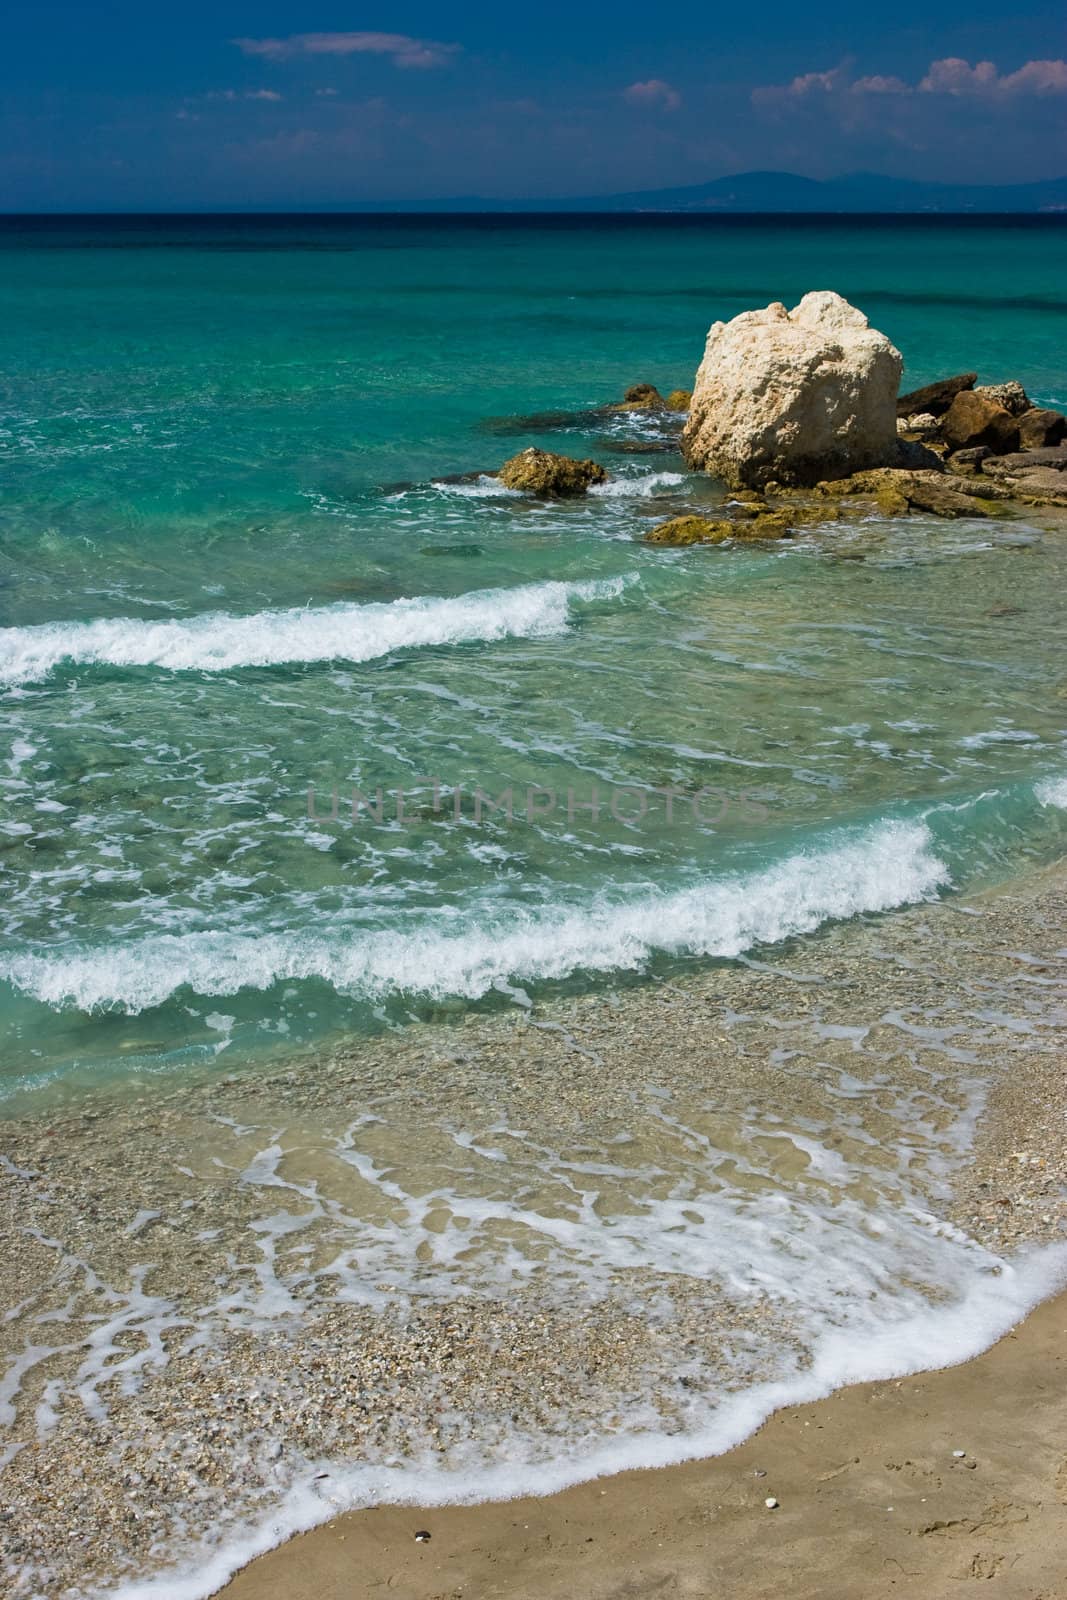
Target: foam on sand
x,y
890,865
934,1336
219,642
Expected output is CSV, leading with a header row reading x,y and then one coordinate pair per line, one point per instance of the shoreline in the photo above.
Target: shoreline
x,y
928,1037
873,1495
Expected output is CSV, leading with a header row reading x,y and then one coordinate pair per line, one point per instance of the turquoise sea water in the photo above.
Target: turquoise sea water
x,y
231,572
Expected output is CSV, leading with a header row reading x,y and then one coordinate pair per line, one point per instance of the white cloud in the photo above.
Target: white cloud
x,y
955,76
401,49
653,92
952,76
879,85
243,94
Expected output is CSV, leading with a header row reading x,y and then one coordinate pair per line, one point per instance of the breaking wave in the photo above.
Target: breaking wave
x,y
218,642
466,954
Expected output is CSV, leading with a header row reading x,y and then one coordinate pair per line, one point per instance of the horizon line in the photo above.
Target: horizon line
x,y
424,208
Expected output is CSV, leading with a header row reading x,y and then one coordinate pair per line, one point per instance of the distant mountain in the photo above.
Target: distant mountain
x,y
784,191
859,191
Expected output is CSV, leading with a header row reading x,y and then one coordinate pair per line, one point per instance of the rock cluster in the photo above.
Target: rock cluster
x,y
899,489
1033,477
749,520
957,416
794,396
646,397
542,472
934,399
806,400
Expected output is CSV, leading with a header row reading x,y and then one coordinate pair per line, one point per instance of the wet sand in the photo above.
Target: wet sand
x,y
873,1500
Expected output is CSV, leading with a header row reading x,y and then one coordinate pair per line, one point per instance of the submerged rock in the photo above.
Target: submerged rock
x,y
463,550
974,418
638,447
544,473
541,421
794,396
935,398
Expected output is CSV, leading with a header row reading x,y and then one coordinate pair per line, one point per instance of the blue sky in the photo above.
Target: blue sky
x,y
321,102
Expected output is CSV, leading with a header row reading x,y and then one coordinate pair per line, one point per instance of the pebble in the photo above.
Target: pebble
x,y
771,1503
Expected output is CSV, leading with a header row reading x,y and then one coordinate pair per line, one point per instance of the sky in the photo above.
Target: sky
x,y
146,106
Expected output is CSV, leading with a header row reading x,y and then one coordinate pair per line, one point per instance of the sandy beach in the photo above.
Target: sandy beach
x,y
915,1486
920,1486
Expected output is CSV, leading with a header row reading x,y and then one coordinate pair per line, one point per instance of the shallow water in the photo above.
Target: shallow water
x,y
236,585
684,1132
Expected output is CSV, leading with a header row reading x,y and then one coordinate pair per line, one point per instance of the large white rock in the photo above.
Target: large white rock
x,y
794,395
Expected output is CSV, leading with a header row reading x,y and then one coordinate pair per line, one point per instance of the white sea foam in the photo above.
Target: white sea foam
x,y
217,642
466,953
876,1348
485,487
979,741
1052,792
644,485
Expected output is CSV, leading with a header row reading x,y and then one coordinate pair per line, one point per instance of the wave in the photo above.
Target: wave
x,y
648,484
485,487
880,1348
889,865
217,641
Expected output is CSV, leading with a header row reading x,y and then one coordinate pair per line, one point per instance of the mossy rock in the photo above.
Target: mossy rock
x,y
836,487
896,490
810,516
679,400
641,397
771,525
680,531
542,472
891,502
689,530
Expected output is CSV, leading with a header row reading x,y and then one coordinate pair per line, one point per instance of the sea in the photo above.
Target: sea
x,y
321,750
